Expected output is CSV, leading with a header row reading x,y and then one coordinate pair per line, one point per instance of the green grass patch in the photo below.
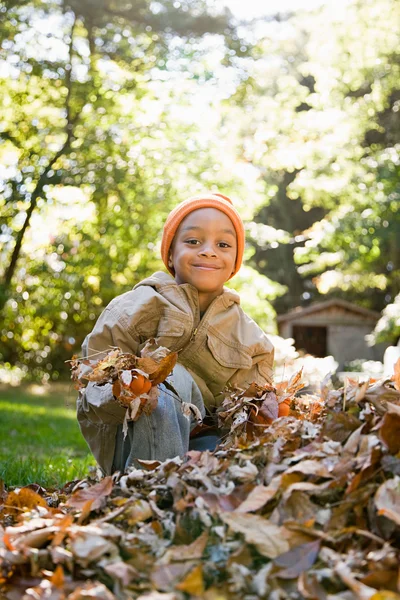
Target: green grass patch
x,y
40,440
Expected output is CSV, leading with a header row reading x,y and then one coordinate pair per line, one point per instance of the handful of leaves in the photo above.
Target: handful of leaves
x,y
134,379
249,412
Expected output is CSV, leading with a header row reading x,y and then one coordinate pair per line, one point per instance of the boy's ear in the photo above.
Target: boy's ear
x,y
170,263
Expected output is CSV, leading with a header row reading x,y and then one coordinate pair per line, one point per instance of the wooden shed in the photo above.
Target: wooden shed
x,y
334,327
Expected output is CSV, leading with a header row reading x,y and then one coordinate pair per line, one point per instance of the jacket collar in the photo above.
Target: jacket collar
x,y
162,281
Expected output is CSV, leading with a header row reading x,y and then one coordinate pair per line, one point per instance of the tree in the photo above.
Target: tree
x,y
95,145
321,117
68,69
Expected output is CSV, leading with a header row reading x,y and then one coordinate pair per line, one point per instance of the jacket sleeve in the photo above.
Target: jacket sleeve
x,y
260,372
98,413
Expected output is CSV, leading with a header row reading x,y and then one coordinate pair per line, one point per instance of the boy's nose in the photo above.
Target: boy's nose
x,y
207,251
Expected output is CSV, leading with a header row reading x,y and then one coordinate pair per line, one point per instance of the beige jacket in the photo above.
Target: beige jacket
x,y
224,347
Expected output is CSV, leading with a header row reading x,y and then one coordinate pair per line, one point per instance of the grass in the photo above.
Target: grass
x,y
40,441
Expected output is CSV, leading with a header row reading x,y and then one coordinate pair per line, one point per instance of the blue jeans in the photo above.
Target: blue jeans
x,y
163,434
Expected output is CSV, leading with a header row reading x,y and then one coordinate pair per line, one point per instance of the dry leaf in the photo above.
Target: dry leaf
x,y
298,559
94,494
389,431
138,512
192,551
387,499
58,578
21,500
185,524
259,496
95,590
193,583
122,571
269,539
158,371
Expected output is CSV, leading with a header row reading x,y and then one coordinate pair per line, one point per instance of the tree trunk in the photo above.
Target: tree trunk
x,y
9,273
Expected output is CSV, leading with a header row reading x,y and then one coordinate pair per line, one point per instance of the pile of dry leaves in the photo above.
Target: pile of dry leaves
x,y
305,506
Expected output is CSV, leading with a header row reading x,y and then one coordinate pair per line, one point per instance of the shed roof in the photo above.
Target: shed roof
x,y
301,311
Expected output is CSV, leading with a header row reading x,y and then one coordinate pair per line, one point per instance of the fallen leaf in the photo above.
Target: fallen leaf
x,y
298,559
338,426
387,499
191,551
269,539
259,496
193,583
94,494
390,428
122,571
95,590
385,595
138,512
158,371
164,577
89,546
58,578
21,500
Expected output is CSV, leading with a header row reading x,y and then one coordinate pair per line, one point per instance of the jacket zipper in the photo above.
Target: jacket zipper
x,y
195,330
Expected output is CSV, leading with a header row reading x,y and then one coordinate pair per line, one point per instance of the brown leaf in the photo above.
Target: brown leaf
x,y
122,571
385,595
379,394
149,465
269,539
186,552
253,391
21,500
164,577
158,371
382,579
95,494
58,579
310,588
7,542
338,426
268,410
259,496
387,499
295,383
103,369
389,431
310,467
193,583
95,590
298,559
138,512
226,502
63,527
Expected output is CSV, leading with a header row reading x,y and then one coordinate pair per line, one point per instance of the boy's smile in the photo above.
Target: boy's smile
x,y
203,252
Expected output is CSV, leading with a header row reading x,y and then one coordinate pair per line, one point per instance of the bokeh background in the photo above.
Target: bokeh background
x,y
112,111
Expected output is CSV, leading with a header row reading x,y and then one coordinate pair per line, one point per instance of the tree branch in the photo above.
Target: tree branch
x,y
9,273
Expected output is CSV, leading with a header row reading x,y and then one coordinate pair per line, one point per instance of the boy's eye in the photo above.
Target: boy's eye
x,y
224,245
192,241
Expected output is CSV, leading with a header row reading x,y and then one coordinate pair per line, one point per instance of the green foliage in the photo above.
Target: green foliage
x,y
387,328
40,438
320,123
114,112
95,157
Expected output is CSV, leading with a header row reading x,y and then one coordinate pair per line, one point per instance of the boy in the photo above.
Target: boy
x,y
190,313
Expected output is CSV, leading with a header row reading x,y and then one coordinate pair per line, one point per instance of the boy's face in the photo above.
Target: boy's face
x,y
203,252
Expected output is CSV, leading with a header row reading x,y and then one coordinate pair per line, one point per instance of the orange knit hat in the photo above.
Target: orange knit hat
x,y
176,216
